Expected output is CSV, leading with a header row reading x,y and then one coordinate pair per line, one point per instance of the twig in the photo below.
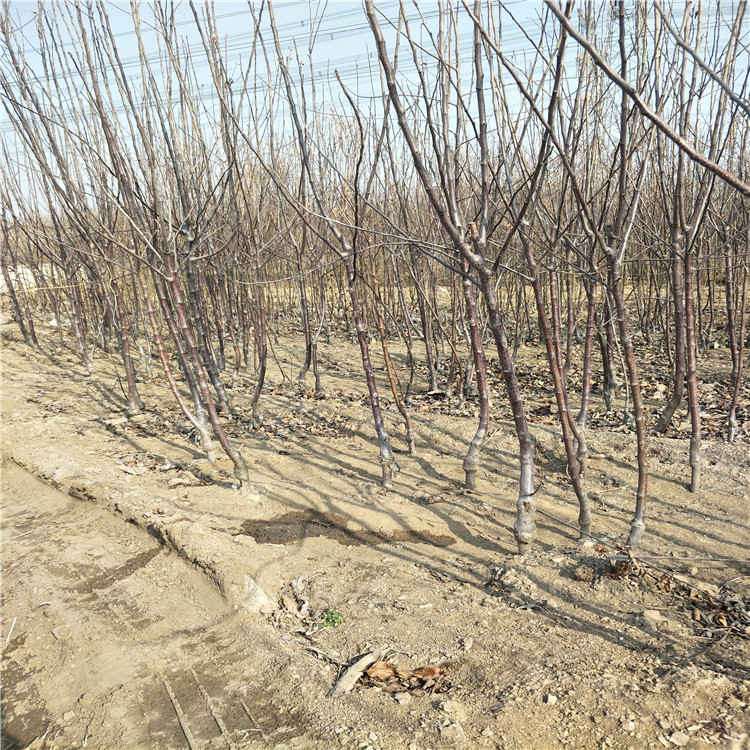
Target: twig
x,y
692,559
324,655
217,718
180,715
18,536
348,680
637,556
316,651
490,436
255,723
569,525
713,644
10,632
629,555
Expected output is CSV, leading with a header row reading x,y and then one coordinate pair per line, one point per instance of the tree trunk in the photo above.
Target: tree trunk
x,y
692,376
638,524
471,462
29,335
200,426
524,528
240,467
678,305
134,405
426,327
387,459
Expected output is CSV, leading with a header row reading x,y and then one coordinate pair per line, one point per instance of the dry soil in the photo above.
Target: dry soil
x,y
147,604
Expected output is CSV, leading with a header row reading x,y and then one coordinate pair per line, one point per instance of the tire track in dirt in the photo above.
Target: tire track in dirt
x,y
89,638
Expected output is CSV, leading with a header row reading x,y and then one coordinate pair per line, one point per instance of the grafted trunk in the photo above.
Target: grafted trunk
x,y
217,314
607,348
678,305
524,528
244,311
390,369
571,311
319,390
740,354
202,331
200,426
261,342
29,335
387,459
692,376
518,317
134,405
227,314
408,339
305,312
588,345
77,322
551,337
424,319
729,299
455,361
182,357
471,462
638,524
240,467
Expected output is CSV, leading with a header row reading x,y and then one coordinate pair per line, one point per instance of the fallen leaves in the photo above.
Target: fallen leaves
x,y
382,670
390,679
716,612
301,420
294,604
138,464
719,615
372,670
427,673
623,567
707,731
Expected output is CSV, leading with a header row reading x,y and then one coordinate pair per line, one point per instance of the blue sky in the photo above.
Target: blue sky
x,y
343,40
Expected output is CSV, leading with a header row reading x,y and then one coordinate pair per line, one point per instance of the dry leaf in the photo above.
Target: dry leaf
x,y
428,673
382,670
665,583
184,479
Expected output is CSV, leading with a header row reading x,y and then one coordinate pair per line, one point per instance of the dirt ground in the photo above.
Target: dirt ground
x,y
147,604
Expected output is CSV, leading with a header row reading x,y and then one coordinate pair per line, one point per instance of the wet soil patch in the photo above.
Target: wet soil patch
x,y
297,525
25,718
109,578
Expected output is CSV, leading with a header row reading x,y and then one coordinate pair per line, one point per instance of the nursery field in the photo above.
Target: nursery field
x,y
146,603
374,375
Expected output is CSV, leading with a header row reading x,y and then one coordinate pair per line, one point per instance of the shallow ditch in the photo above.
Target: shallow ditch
x,y
297,525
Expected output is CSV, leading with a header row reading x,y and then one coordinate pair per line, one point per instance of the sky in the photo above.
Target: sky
x,y
343,40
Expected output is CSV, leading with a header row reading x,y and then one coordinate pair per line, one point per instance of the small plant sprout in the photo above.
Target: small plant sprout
x,y
331,618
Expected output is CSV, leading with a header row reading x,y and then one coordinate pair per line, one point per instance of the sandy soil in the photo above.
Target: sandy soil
x,y
147,604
